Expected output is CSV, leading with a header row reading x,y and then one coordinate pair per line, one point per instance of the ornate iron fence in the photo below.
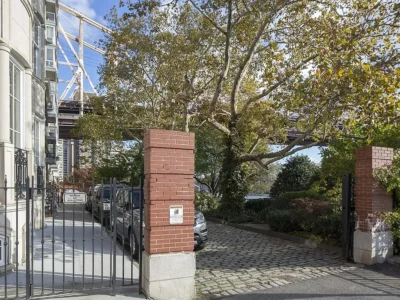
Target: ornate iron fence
x,y
40,179
21,172
62,248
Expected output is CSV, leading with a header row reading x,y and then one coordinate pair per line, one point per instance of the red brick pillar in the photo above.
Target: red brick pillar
x,y
169,262
373,242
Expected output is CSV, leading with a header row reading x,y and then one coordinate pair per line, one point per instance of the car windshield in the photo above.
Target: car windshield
x,y
107,193
136,198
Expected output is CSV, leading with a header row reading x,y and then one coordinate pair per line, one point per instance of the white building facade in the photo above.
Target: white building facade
x,y
25,93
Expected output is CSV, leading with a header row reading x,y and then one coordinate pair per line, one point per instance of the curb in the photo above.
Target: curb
x,y
283,236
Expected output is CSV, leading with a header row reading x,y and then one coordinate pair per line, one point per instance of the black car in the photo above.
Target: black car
x,y
92,192
102,202
128,221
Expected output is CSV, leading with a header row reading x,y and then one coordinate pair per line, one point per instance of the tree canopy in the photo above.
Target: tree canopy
x,y
260,72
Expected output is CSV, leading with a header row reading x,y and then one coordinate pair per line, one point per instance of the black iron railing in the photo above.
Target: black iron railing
x,y
21,172
40,179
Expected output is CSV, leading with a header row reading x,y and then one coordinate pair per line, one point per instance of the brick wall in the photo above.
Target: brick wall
x,y
169,170
370,197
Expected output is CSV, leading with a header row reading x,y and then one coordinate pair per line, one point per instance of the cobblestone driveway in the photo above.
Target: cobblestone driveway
x,y
237,262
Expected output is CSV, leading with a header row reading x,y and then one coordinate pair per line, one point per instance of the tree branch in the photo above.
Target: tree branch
x,y
202,182
291,153
219,126
245,64
208,18
227,61
255,144
257,157
278,84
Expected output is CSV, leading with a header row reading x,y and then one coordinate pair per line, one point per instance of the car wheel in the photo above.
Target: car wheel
x,y
133,244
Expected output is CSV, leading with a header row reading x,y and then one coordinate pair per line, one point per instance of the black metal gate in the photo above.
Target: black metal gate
x,y
348,210
67,244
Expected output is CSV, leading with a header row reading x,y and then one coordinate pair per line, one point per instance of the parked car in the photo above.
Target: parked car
x,y
128,221
91,193
102,202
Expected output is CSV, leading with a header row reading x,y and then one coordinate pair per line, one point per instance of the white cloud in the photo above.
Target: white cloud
x,y
83,6
70,23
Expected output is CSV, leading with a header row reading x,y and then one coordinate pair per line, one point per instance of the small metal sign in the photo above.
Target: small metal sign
x,y
75,198
176,214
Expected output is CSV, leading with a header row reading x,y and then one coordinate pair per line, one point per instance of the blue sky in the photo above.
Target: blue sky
x,y
97,9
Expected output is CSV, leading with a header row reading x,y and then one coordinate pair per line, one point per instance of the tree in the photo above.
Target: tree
x,y
338,159
297,174
286,72
126,166
263,179
208,158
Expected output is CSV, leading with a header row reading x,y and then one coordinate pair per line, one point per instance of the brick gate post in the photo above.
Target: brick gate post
x,y
373,241
169,263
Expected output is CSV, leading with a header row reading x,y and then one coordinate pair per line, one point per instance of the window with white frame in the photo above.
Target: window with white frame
x,y
50,34
51,103
15,104
50,57
2,251
37,68
37,142
50,16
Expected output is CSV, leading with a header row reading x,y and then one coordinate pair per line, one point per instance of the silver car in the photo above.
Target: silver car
x,y
128,221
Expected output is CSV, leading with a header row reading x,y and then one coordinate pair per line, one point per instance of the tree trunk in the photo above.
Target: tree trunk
x,y
233,177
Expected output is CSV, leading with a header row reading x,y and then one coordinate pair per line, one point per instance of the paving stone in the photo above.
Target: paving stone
x,y
232,292
237,261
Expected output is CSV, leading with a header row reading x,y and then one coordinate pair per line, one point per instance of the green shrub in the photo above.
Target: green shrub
x,y
305,211
285,200
214,213
246,217
297,174
257,205
393,220
282,220
328,225
205,202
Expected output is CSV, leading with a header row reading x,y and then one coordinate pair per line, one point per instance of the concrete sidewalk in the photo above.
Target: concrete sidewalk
x,y
86,251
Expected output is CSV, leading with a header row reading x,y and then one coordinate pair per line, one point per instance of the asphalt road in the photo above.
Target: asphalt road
x,y
367,283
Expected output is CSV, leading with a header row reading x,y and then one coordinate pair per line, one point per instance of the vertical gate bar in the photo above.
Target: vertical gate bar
x,y
42,241
92,195
344,215
109,223
131,227
114,227
123,239
63,191
101,233
6,240
141,202
53,239
73,239
83,241
351,216
32,228
27,246
16,237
